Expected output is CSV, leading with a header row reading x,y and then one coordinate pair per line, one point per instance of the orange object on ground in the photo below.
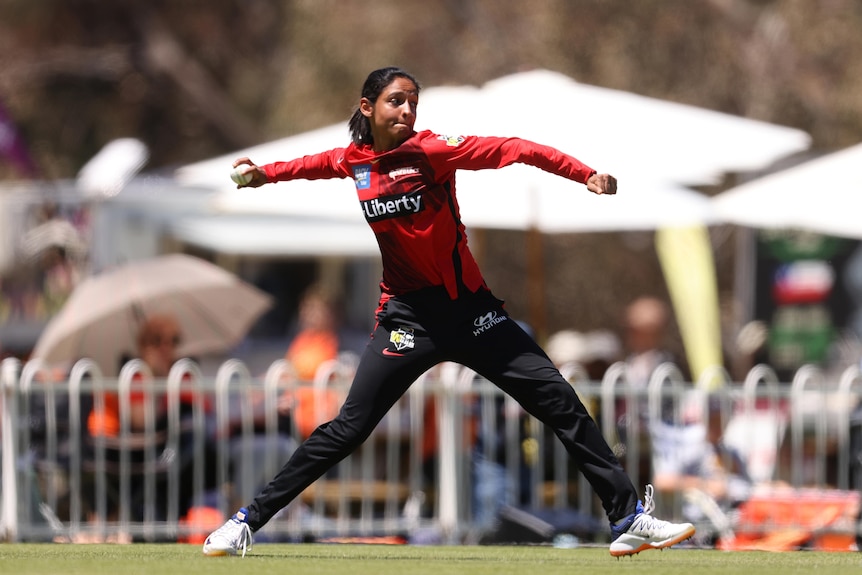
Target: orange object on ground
x,y
201,521
787,519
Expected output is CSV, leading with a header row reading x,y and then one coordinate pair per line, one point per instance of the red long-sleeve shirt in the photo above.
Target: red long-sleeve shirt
x,y
407,195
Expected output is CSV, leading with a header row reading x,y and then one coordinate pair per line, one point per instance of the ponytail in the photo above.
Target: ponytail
x,y
360,128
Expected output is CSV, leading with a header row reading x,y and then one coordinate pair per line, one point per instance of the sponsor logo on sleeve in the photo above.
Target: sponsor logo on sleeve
x,y
452,141
362,176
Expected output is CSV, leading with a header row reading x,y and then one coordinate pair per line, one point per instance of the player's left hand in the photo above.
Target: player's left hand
x,y
602,184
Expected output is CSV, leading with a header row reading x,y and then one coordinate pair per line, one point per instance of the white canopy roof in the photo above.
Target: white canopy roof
x,y
258,235
820,195
654,148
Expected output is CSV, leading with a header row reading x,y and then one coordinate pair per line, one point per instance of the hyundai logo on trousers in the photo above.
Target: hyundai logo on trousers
x,y
486,321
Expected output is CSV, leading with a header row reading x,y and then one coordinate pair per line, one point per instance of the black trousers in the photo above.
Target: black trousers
x,y
416,331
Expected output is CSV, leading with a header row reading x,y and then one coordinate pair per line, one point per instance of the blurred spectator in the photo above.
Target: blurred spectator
x,y
316,341
55,249
646,323
60,276
751,347
505,449
593,351
5,304
691,462
690,453
313,353
494,484
566,346
603,350
694,461
158,339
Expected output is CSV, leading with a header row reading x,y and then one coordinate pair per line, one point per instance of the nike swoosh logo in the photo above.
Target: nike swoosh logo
x,y
386,351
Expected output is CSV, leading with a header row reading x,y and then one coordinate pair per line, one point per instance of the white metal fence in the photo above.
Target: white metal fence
x,y
454,461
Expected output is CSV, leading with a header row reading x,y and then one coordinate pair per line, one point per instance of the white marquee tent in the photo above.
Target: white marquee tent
x,y
820,195
654,147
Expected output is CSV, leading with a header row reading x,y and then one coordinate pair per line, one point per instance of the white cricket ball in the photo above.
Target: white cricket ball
x,y
240,177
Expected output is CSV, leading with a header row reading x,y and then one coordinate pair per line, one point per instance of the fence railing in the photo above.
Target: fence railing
x,y
454,461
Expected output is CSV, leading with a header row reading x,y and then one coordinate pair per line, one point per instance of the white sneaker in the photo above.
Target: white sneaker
x,y
641,531
230,537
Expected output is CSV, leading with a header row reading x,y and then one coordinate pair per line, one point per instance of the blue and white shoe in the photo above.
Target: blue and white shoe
x,y
230,537
640,531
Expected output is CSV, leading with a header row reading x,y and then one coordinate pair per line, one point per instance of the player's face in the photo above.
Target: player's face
x,y
393,114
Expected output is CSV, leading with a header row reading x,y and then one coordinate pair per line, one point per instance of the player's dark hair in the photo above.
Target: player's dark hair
x,y
360,127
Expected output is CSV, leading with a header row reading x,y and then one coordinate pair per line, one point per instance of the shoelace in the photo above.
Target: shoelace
x,y
644,522
244,537
238,533
649,501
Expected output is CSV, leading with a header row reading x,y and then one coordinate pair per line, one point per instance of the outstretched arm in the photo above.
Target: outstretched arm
x,y
479,153
320,166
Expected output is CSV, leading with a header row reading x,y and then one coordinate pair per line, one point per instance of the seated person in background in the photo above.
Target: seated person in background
x,y
316,342
690,460
300,408
646,323
693,462
502,455
645,327
157,342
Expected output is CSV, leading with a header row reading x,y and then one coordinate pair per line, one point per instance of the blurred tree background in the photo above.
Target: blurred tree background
x,y
196,78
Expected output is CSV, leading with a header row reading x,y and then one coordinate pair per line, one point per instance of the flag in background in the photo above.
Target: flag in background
x,y
686,259
12,146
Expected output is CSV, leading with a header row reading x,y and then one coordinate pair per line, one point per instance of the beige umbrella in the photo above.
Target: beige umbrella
x,y
100,320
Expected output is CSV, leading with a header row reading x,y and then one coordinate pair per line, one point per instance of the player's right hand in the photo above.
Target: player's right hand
x,y
602,184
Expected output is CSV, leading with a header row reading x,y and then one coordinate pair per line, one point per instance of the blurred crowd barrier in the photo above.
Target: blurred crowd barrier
x,y
454,461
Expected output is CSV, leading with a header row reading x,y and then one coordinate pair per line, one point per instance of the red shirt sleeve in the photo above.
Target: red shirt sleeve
x,y
322,166
450,153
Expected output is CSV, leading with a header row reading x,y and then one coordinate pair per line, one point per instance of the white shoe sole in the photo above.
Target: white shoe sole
x,y
218,552
621,549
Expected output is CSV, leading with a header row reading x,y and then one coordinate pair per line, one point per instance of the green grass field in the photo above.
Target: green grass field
x,y
302,559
